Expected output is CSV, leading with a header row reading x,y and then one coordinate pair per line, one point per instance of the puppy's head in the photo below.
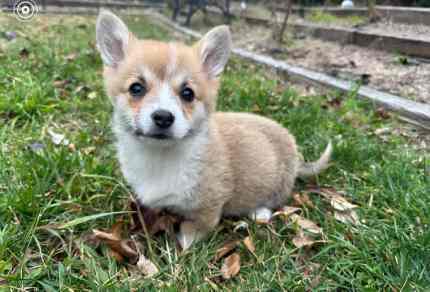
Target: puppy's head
x,y
160,91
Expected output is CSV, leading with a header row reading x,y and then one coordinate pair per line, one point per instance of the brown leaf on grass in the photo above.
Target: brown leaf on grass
x,y
60,83
90,239
72,147
302,200
286,211
312,272
382,113
335,102
146,266
121,248
256,108
301,240
343,209
154,219
249,244
163,223
71,56
231,266
336,199
306,224
347,217
227,248
149,216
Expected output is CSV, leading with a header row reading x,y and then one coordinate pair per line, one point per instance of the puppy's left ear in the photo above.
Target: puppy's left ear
x,y
112,37
214,49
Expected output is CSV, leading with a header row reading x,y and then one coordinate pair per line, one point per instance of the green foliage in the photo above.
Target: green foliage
x,y
327,18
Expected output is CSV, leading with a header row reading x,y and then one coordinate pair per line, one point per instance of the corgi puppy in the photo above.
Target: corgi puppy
x,y
175,151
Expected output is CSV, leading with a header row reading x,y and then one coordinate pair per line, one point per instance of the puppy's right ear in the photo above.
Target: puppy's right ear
x,y
112,38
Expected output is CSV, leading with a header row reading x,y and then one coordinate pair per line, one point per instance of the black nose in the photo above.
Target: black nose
x,y
163,118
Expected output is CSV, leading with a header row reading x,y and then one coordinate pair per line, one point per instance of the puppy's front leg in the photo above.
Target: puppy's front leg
x,y
202,222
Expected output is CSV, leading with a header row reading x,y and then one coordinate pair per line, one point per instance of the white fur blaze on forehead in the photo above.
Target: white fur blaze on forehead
x,y
172,61
112,38
215,48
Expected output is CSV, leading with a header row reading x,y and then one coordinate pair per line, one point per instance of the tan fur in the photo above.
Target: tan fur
x,y
248,161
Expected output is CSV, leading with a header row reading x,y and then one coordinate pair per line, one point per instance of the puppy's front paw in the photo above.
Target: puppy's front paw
x,y
187,235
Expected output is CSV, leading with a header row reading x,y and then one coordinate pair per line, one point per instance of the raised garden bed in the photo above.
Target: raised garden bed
x,y
408,15
409,40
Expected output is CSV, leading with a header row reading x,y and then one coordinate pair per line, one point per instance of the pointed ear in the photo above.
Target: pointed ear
x,y
112,38
215,48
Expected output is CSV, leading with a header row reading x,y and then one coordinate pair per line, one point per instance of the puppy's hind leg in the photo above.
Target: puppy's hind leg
x,y
261,214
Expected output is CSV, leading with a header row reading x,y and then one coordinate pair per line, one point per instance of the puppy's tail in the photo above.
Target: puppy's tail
x,y
313,168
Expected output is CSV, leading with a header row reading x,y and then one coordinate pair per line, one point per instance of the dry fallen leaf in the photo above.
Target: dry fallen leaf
x,y
163,223
286,211
302,200
249,244
146,267
231,266
306,224
347,217
60,83
155,220
301,240
382,131
71,56
341,204
343,210
228,247
311,272
72,147
121,248
336,199
3,281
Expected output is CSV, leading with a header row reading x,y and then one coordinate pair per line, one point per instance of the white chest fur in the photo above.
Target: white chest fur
x,y
163,176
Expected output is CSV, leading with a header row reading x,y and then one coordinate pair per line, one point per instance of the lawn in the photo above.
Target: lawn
x,y
51,85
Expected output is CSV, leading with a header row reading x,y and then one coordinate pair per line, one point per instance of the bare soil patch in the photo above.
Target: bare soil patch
x,y
393,73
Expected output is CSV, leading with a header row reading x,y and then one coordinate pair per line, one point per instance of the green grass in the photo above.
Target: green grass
x,y
57,184
327,18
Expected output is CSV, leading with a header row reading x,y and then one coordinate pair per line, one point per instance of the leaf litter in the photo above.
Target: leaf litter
x,y
230,266
121,249
343,210
307,232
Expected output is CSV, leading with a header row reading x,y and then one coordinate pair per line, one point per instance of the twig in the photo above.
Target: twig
x,y
145,230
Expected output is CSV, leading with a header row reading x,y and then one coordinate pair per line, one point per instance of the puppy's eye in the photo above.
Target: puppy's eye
x,y
187,94
137,89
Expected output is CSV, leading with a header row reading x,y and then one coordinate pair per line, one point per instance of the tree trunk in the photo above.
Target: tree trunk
x,y
289,5
227,15
373,14
176,7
